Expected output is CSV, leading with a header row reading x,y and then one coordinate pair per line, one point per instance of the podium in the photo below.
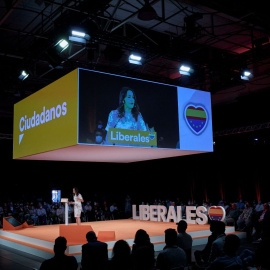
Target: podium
x,y
65,200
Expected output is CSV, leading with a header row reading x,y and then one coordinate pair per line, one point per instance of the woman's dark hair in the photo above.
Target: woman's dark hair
x,y
76,191
121,249
141,237
121,109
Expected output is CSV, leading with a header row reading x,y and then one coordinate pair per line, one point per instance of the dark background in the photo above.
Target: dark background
x,y
238,168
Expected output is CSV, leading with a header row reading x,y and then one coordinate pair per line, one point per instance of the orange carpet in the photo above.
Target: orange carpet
x,y
124,229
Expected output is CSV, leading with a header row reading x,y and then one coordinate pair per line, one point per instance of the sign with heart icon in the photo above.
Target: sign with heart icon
x,y
196,118
216,213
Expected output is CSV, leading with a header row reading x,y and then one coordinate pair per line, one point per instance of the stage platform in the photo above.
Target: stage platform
x,y
39,240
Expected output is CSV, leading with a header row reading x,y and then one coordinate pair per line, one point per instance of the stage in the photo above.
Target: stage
x,y
39,240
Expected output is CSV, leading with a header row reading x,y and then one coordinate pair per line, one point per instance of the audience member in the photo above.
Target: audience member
x,y
232,216
266,222
143,258
172,256
42,215
121,259
114,211
94,253
202,256
184,240
259,207
258,224
88,212
60,213
217,246
60,260
230,260
142,239
244,221
240,205
33,215
261,258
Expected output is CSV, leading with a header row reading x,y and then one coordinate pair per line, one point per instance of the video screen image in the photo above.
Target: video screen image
x,y
122,111
56,196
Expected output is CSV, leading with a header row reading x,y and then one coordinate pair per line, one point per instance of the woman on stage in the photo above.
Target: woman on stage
x,y
78,200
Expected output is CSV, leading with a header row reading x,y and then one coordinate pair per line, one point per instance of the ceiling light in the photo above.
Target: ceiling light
x,y
23,75
78,34
185,70
61,45
135,59
246,74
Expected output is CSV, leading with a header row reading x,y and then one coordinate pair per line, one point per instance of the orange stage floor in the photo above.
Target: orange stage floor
x,y
39,240
124,229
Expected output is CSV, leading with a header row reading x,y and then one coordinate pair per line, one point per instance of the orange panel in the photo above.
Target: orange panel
x,y
8,226
74,233
106,236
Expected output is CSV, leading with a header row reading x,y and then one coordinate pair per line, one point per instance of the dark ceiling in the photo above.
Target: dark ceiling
x,y
218,38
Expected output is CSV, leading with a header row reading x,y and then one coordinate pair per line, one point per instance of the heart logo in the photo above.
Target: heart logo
x,y
152,136
196,118
216,213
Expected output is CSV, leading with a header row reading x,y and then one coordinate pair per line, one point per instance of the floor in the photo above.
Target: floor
x,y
11,259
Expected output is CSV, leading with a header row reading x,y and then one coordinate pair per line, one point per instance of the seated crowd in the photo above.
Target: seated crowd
x,y
54,213
245,216
220,252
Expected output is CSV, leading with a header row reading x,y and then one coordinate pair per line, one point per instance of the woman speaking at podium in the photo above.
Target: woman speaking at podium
x,y
127,115
78,200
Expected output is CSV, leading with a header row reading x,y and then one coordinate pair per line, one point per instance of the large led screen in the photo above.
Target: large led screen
x,y
121,111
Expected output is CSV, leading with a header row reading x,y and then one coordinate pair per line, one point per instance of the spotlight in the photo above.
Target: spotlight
x,y
135,59
78,36
61,45
246,74
185,70
23,75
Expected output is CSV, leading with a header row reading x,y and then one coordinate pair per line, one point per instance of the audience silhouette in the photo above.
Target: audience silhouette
x,y
202,256
218,244
184,240
230,260
60,260
121,259
172,256
142,239
94,253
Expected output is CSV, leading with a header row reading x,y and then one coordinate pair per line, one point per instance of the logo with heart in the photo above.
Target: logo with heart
x,y
216,213
152,136
196,118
